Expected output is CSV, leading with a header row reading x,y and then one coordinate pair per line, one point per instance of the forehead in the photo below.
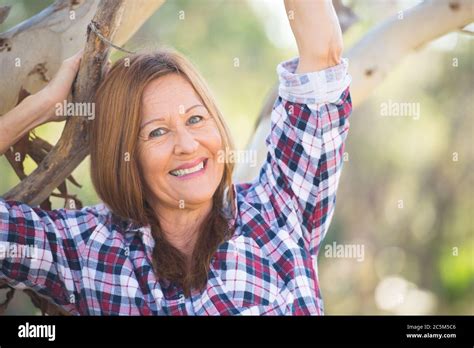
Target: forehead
x,y
167,95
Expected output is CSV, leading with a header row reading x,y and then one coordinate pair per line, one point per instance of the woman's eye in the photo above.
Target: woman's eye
x,y
157,132
195,119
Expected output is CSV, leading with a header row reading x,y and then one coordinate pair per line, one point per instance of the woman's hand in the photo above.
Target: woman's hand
x,y
59,88
317,32
38,108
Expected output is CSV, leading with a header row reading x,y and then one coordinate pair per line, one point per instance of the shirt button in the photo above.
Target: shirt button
x,y
181,299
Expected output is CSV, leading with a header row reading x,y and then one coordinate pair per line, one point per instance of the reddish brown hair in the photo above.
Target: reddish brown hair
x,y
115,169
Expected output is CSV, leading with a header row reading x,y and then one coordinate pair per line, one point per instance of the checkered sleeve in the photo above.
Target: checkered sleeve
x,y
309,125
41,250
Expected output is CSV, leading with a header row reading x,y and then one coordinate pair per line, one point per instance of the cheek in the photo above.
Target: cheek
x,y
213,140
151,159
215,146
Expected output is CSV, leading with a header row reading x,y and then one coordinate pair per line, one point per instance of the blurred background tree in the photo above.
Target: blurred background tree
x,y
406,191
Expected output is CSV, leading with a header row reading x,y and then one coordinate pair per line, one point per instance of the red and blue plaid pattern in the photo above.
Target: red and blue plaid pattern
x,y
90,263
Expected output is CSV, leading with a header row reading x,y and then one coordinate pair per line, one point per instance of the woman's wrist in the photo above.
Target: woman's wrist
x,y
317,61
30,113
43,105
317,32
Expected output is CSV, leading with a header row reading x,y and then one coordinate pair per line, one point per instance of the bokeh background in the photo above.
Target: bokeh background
x,y
406,192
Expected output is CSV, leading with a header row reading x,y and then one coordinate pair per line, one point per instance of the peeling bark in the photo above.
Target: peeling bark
x,y
53,35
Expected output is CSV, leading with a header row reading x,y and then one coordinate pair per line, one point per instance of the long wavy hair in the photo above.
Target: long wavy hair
x,y
115,169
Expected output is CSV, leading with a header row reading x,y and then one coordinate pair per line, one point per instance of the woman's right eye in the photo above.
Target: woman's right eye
x,y
157,132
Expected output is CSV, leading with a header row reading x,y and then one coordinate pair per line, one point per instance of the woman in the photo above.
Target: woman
x,y
175,236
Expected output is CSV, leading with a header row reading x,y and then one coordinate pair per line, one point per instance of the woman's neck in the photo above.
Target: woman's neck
x,y
181,227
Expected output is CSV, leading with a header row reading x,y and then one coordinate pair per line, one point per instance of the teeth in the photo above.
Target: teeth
x,y
181,172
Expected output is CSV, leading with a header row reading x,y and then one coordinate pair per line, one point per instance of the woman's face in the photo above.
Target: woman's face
x,y
179,144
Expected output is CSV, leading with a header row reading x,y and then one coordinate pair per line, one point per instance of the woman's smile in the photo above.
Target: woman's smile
x,y
187,171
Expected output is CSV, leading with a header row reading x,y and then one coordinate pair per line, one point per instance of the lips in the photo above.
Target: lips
x,y
189,168
190,164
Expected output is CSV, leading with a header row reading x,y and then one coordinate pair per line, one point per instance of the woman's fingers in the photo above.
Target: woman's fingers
x,y
69,68
59,87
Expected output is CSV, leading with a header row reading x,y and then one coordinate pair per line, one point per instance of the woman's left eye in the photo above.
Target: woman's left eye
x,y
195,119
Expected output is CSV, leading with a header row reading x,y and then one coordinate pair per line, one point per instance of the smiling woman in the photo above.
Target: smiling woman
x,y
175,235
165,169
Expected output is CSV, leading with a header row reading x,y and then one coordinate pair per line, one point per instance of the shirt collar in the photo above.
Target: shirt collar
x,y
144,231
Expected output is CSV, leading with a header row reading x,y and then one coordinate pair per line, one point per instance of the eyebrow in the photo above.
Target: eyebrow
x,y
162,119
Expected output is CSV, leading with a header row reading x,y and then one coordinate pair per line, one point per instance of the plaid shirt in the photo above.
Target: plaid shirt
x,y
89,263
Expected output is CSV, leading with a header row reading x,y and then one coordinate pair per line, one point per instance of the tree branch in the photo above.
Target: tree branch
x,y
32,51
72,148
373,57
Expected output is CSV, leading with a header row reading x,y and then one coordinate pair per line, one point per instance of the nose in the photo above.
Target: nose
x,y
185,142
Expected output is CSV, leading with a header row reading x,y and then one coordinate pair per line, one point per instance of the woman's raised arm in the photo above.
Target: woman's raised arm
x,y
297,184
317,32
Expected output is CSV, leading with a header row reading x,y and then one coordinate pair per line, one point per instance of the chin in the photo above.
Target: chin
x,y
197,198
